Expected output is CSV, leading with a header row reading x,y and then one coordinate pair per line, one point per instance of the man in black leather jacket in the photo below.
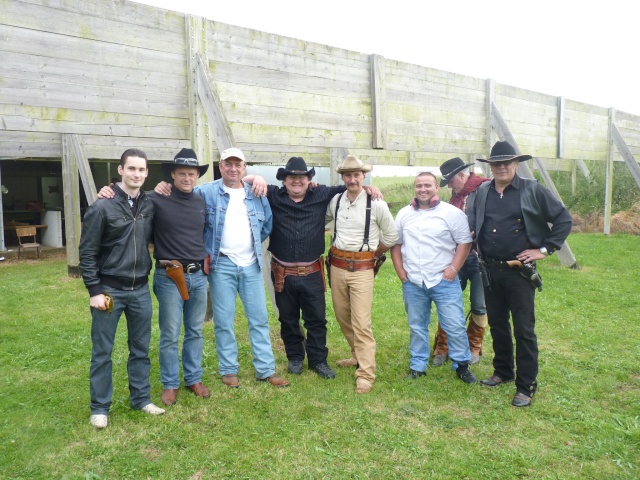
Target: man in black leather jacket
x,y
510,217
115,264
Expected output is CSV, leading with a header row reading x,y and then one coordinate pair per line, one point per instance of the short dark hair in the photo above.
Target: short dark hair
x,y
422,174
132,152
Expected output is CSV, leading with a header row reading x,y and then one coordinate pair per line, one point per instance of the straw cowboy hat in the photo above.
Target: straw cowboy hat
x,y
185,158
295,166
451,168
353,164
502,152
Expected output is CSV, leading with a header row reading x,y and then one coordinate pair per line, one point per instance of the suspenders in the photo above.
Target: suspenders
x,y
367,223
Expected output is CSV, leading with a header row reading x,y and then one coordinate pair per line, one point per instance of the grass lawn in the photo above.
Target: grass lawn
x,y
584,422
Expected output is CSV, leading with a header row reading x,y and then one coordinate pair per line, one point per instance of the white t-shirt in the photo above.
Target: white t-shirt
x,y
237,239
429,239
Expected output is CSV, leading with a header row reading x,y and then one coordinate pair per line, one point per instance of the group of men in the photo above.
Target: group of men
x,y
214,232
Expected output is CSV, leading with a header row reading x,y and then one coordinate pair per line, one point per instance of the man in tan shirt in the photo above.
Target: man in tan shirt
x,y
357,244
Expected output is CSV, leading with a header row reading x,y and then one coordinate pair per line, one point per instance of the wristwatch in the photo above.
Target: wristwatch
x,y
544,251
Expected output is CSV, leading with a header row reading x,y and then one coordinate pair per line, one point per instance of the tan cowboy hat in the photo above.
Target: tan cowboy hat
x,y
353,164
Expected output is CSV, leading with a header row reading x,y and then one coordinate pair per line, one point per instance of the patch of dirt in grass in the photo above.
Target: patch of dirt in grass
x,y
151,453
622,222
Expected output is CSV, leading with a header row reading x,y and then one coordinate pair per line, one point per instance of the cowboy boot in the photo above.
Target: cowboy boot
x,y
440,348
475,333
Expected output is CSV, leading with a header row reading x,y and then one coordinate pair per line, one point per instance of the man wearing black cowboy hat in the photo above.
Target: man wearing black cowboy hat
x,y
177,235
510,217
296,246
464,186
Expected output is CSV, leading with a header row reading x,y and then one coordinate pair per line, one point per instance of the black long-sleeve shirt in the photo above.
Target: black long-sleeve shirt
x,y
298,227
178,226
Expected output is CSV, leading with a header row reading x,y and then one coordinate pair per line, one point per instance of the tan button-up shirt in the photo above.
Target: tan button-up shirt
x,y
351,222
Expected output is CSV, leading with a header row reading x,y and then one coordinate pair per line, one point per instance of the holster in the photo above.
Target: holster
x,y
528,271
327,263
278,276
175,272
381,259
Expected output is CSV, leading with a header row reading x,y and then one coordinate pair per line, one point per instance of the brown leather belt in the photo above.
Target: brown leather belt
x,y
352,265
336,252
299,271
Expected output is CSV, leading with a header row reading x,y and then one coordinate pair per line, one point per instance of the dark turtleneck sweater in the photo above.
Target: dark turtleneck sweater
x,y
178,226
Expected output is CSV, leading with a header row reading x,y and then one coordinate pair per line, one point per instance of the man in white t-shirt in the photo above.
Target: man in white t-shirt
x,y
236,225
434,241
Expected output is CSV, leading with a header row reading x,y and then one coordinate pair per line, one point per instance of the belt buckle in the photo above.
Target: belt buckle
x,y
191,268
302,271
351,265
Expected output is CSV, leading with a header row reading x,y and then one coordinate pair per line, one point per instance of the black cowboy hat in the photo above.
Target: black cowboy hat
x,y
502,152
295,166
185,158
451,168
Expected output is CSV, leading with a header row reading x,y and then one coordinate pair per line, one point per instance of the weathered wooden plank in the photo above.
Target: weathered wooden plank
x,y
83,167
283,62
72,214
586,108
230,34
230,92
25,118
517,93
283,117
115,102
77,72
434,90
626,154
490,98
400,114
378,101
560,134
134,13
527,111
608,191
628,119
254,133
432,102
32,42
208,95
447,144
432,75
100,26
259,77
435,130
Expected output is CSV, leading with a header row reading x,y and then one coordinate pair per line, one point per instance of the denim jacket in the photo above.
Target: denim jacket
x,y
217,202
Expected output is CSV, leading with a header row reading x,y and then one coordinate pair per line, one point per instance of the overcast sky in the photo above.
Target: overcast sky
x,y
583,50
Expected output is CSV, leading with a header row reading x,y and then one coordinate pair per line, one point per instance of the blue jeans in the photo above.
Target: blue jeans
x,y
172,313
136,305
470,272
226,281
448,299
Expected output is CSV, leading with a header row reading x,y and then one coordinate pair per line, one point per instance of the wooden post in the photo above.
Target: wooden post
x,y
565,255
378,102
584,169
71,195
84,169
626,154
560,144
574,174
490,102
608,192
2,247
196,32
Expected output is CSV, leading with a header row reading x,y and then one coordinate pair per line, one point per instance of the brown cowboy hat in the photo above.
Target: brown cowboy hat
x,y
502,152
353,164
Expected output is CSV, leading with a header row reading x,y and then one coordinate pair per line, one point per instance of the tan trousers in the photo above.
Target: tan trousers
x,y
352,295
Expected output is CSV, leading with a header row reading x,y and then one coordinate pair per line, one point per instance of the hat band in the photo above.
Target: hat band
x,y
187,161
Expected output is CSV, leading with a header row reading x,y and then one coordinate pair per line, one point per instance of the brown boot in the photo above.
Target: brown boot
x,y
440,348
169,395
475,333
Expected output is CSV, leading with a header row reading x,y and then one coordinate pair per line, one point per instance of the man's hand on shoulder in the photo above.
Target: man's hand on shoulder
x,y
163,188
258,184
374,192
106,192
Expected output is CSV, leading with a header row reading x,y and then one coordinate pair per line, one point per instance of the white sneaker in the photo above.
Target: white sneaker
x,y
151,409
99,421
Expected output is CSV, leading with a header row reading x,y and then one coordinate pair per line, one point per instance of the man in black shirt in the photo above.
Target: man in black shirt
x,y
297,271
510,218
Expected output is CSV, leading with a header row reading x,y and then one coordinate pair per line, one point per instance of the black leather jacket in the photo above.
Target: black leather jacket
x,y
539,209
114,246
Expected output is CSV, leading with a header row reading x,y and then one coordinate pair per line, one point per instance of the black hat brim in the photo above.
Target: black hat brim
x,y
520,158
283,173
168,167
447,178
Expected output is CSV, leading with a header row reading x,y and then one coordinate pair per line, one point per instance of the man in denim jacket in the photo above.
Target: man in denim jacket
x,y
236,225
